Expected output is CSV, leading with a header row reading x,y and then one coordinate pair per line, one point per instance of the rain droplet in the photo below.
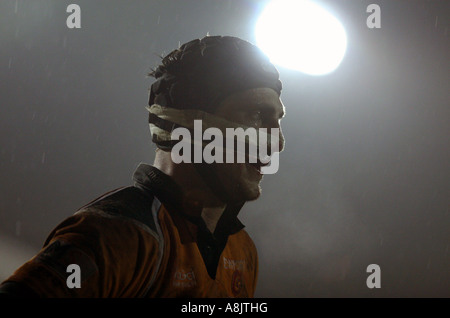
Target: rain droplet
x,y
18,228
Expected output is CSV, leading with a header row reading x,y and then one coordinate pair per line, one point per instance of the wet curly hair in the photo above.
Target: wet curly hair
x,y
201,72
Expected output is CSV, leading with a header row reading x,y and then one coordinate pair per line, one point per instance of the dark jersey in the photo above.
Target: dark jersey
x,y
138,242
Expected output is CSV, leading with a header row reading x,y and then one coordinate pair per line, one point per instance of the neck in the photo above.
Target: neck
x,y
194,189
211,216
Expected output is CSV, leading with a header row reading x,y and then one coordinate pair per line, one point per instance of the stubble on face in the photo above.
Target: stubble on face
x,y
241,181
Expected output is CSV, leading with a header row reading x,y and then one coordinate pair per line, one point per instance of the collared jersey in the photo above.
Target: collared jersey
x,y
138,242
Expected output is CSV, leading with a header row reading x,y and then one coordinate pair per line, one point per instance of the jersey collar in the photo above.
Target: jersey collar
x,y
153,180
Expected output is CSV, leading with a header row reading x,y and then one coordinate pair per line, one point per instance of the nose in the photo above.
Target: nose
x,y
282,141
276,143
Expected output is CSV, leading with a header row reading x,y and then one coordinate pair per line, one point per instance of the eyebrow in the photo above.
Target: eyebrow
x,y
269,106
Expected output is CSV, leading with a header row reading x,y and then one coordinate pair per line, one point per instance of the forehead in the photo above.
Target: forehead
x,y
252,98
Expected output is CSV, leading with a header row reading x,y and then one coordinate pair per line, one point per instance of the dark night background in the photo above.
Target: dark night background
x,y
364,179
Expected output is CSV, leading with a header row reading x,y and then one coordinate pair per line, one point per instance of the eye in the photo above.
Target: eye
x,y
255,117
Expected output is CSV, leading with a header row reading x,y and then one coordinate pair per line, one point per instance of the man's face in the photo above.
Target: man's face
x,y
257,108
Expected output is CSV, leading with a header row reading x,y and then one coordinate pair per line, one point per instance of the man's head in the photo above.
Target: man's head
x,y
228,79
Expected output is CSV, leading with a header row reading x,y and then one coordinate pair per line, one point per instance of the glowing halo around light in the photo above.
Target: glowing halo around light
x,y
301,35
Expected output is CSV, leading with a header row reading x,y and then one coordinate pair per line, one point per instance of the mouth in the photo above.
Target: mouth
x,y
258,165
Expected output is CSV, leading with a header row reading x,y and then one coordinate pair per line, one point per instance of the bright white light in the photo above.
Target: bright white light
x,y
301,35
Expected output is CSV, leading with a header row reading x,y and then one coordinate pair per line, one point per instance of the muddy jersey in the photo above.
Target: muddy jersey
x,y
139,242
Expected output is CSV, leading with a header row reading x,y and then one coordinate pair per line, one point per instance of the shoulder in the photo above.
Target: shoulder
x,y
242,240
110,240
128,204
123,213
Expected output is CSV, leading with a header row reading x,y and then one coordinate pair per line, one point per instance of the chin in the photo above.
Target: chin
x,y
250,184
253,196
246,192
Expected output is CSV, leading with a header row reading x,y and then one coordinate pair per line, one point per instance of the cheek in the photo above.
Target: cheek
x,y
232,174
230,170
